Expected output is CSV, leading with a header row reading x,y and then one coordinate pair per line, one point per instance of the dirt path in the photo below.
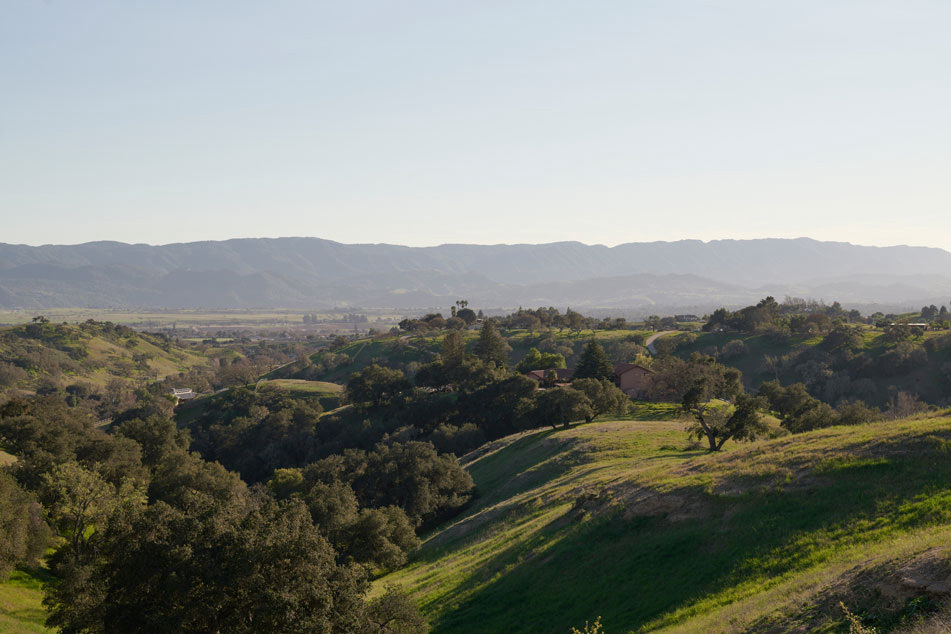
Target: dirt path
x,y
654,337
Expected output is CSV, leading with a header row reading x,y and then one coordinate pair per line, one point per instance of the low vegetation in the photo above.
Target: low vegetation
x,y
627,521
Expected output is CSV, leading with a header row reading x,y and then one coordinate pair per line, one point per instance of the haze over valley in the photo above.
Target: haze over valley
x,y
311,273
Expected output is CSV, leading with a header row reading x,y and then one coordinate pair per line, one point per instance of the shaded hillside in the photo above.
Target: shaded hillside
x,y
627,521
311,273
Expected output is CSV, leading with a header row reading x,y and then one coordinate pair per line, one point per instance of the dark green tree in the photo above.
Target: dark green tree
x,y
561,406
243,567
536,360
24,534
453,348
394,613
375,385
594,363
491,346
718,421
605,397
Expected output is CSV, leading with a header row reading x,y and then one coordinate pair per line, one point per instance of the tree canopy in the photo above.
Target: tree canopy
x,y
594,363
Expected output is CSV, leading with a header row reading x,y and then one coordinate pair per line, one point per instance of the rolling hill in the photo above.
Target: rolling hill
x,y
45,355
628,521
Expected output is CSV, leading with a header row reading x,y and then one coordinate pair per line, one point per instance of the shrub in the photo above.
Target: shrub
x,y
733,349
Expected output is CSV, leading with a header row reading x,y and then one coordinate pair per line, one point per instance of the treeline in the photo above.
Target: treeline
x,y
523,319
793,316
888,366
797,316
721,408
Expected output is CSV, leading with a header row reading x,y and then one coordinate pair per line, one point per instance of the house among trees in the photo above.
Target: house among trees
x,y
632,379
686,318
183,394
562,376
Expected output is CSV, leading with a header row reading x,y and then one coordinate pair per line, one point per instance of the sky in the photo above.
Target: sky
x,y
486,121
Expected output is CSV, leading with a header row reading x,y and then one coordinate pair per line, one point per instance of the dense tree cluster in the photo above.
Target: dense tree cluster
x,y
793,316
154,538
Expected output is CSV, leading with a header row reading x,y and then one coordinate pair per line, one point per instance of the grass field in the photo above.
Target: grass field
x,y
299,385
624,519
21,607
6,459
329,394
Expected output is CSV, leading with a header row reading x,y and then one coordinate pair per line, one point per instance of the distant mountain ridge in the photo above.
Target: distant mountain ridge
x,y
313,273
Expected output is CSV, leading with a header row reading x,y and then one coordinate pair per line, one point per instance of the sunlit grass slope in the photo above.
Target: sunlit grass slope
x,y
21,604
623,519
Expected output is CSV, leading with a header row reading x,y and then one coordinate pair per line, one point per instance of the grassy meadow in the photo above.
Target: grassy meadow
x,y
629,521
21,603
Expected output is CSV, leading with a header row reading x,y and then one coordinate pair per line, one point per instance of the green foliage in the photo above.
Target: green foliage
x,y
800,411
589,628
44,431
844,338
255,433
375,385
594,363
856,626
536,360
235,567
394,613
561,406
470,373
285,482
673,378
604,396
499,408
80,504
411,476
491,346
23,532
718,421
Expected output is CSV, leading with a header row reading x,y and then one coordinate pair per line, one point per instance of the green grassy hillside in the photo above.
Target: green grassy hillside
x,y
627,520
21,604
95,353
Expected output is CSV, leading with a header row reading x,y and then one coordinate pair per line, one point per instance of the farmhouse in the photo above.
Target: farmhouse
x,y
632,379
562,376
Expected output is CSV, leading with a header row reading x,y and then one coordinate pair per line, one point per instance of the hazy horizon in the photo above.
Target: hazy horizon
x,y
479,244
425,123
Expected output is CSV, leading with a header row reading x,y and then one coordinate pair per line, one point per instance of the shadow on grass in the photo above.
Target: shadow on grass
x,y
633,571
517,468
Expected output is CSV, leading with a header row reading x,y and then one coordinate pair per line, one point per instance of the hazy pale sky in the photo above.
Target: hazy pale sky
x,y
483,121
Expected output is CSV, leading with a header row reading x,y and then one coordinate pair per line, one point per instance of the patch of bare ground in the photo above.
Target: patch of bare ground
x,y
937,623
890,591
